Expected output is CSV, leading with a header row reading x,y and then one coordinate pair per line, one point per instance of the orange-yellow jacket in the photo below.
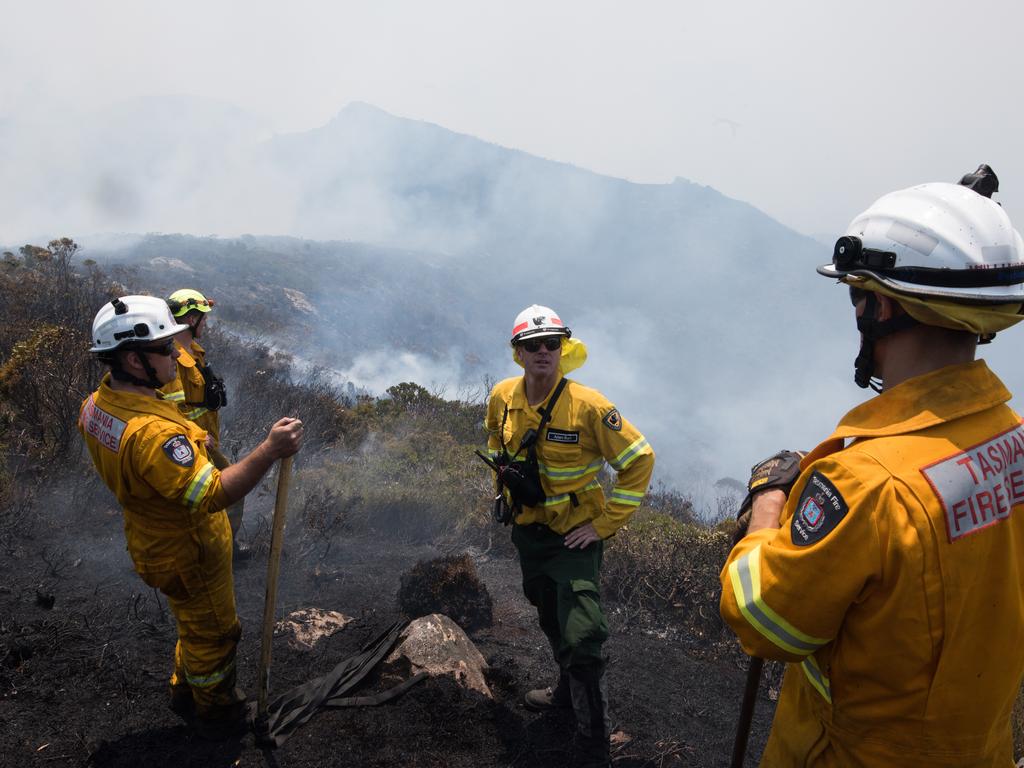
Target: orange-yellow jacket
x,y
585,431
895,584
154,460
190,387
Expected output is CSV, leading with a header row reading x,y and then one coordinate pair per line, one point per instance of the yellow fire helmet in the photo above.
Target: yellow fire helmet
x,y
185,300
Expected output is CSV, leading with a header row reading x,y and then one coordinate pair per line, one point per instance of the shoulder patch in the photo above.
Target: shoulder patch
x,y
179,450
980,486
103,427
820,509
612,420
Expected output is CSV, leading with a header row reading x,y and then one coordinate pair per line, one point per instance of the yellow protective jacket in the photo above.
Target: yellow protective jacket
x,y
895,584
190,387
155,462
585,431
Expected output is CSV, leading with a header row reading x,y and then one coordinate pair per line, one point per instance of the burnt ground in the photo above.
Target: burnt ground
x,y
83,680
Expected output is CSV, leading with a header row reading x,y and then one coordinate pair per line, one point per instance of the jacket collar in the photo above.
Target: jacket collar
x,y
185,357
518,400
130,401
924,401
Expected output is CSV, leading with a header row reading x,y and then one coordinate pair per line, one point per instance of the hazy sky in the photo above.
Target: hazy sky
x,y
807,110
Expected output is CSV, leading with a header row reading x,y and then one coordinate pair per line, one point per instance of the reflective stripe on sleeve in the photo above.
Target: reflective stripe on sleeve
x,y
207,681
629,498
562,498
195,413
175,397
745,575
201,482
817,677
630,454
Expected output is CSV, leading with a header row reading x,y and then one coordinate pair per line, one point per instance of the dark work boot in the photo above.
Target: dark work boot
x,y
590,703
543,699
240,554
181,702
225,722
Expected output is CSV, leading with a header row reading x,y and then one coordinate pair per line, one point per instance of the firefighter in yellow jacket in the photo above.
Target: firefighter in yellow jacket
x,y
156,463
892,575
549,437
198,392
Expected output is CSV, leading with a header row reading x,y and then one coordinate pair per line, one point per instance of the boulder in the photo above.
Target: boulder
x,y
307,627
437,645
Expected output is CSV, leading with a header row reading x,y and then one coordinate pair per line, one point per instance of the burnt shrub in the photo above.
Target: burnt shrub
x,y
658,565
448,585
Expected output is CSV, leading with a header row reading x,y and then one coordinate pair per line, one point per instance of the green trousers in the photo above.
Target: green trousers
x,y
563,585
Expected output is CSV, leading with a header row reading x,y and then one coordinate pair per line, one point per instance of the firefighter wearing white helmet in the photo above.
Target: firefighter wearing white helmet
x,y
549,437
199,392
889,576
155,461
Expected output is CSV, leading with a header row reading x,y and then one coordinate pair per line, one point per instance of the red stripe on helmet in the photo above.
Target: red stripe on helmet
x,y
554,320
520,327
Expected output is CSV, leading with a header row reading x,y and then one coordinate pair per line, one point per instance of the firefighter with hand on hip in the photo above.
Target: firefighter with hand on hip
x,y
548,437
199,393
157,464
890,575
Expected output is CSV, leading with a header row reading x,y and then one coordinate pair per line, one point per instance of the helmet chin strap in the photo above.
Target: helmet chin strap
x,y
872,330
121,374
192,327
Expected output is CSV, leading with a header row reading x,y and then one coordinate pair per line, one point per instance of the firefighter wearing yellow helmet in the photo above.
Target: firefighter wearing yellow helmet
x,y
157,464
198,392
890,576
548,438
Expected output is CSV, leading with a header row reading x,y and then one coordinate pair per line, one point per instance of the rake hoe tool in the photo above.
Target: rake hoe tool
x,y
273,569
739,747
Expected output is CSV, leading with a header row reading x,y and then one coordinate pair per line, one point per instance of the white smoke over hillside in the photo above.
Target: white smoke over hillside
x,y
706,322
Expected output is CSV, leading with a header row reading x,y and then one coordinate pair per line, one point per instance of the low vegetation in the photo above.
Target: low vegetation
x,y
401,465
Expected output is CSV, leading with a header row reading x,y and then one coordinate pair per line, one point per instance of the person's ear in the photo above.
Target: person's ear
x,y
888,308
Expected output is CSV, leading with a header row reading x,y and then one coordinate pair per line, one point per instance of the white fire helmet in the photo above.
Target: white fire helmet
x,y
132,320
536,321
935,241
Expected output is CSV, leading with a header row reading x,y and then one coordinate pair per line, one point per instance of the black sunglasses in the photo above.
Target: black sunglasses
x,y
164,349
550,343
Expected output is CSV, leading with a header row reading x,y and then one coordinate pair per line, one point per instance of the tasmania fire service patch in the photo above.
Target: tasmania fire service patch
x,y
612,420
820,509
980,486
179,450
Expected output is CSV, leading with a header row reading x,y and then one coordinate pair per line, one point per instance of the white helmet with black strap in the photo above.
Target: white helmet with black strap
x,y
946,252
132,322
537,321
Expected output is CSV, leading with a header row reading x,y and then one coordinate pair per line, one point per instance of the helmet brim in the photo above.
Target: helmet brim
x,y
128,343
991,295
540,333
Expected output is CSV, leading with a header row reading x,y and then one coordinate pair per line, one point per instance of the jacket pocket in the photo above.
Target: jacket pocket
x,y
561,462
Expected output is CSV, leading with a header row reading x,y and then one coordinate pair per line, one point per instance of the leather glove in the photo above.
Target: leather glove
x,y
778,471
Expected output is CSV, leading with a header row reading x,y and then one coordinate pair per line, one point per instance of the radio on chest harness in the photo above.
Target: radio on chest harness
x,y
520,476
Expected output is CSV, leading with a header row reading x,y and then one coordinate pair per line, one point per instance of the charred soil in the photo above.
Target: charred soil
x,y
86,652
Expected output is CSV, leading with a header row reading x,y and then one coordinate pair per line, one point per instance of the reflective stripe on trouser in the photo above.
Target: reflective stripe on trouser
x,y
208,628
221,462
562,584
